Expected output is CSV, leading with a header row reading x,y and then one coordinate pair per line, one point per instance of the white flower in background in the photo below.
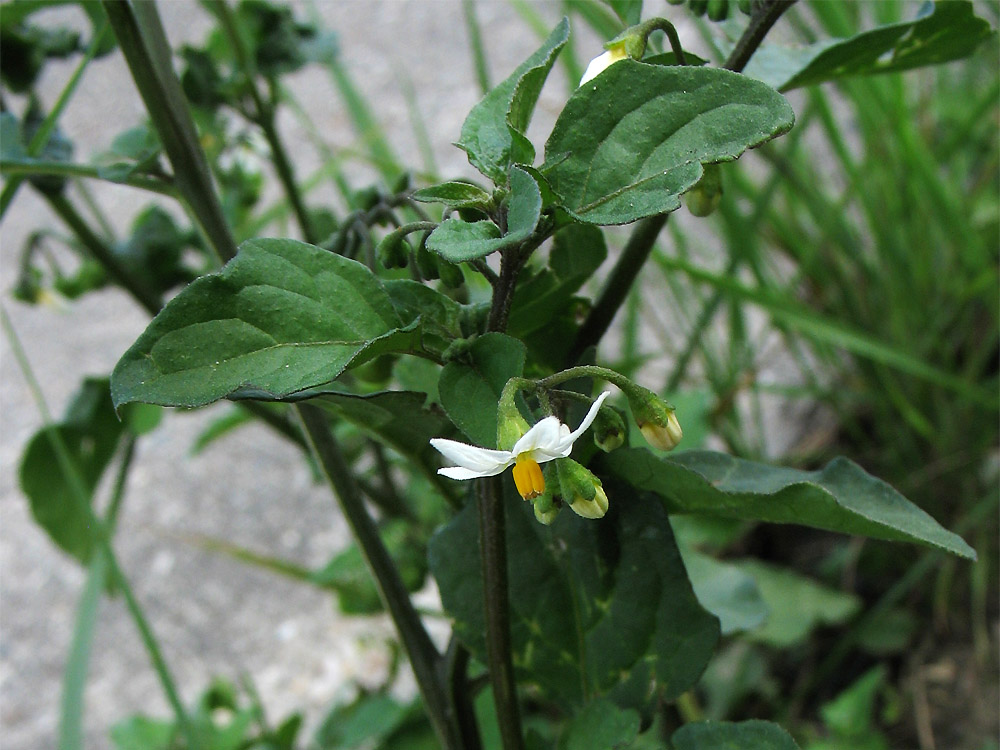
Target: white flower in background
x,y
602,62
547,440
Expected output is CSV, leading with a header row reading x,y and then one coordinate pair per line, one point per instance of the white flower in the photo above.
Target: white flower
x,y
545,441
602,62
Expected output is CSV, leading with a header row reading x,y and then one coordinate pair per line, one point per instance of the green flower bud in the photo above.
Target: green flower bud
x,y
548,504
451,274
655,417
705,196
426,263
609,429
582,489
393,250
510,424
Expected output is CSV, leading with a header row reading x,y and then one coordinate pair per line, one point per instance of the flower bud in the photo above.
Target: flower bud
x,y
656,418
451,274
393,250
582,489
510,424
609,429
548,504
705,196
616,51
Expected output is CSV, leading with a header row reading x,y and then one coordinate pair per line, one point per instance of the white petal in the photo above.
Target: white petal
x,y
543,434
483,460
566,443
597,66
460,472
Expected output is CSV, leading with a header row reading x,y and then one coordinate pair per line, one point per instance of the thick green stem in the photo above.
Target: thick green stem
x,y
764,17
20,169
424,657
639,246
493,544
142,40
96,247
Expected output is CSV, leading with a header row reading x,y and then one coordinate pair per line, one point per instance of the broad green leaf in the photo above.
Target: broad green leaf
x,y
454,195
457,241
600,725
470,388
436,311
281,317
796,604
840,497
942,32
628,143
726,591
745,735
669,58
487,133
90,432
597,607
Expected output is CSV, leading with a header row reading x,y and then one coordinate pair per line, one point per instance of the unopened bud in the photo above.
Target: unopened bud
x,y
393,250
656,418
615,51
705,196
581,489
510,424
609,429
548,504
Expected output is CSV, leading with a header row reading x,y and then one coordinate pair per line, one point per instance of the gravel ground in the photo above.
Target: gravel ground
x,y
212,615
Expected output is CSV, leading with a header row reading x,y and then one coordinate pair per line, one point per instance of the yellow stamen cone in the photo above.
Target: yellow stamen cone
x,y
528,478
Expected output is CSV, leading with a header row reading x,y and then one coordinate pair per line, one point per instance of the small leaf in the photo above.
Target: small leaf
x,y
628,143
90,433
851,712
454,195
840,497
457,241
942,32
745,735
796,604
487,135
597,607
280,318
470,389
368,720
629,11
726,591
601,725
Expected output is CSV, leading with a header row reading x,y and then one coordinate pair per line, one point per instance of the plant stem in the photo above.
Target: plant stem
x,y
41,136
15,169
461,694
493,543
764,17
264,116
493,550
636,251
423,655
96,247
80,496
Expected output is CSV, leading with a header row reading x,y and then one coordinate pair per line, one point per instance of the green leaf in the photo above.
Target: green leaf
x,y
369,719
669,58
796,604
632,140
840,497
745,735
454,195
281,317
487,133
470,389
852,711
457,241
629,11
600,725
942,32
597,607
90,432
437,312
726,591
142,733
134,150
